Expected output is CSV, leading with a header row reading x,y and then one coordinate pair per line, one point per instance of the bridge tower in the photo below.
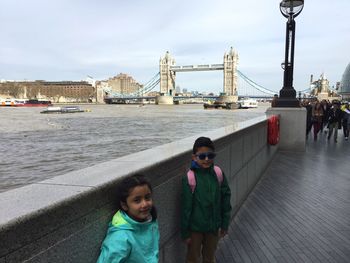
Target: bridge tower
x,y
167,76
167,80
230,75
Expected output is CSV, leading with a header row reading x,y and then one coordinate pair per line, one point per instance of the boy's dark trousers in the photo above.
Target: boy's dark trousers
x,y
333,126
205,243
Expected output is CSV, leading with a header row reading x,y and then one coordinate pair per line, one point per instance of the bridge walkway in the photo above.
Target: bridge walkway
x,y
298,212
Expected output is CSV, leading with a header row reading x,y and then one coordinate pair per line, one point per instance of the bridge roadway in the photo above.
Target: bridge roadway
x,y
298,212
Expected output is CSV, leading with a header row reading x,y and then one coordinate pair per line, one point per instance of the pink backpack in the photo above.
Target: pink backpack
x,y
192,179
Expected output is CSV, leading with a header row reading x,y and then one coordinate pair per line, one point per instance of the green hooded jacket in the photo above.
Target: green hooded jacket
x,y
208,208
129,241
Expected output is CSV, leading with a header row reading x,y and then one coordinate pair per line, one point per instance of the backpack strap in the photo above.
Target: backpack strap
x,y
219,174
192,179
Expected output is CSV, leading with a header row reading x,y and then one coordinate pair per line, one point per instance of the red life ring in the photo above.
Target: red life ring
x,y
273,130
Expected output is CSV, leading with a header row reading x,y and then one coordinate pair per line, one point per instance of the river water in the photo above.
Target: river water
x,y
35,146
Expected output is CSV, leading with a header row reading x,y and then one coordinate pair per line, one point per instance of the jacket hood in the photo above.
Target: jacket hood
x,y
121,221
130,241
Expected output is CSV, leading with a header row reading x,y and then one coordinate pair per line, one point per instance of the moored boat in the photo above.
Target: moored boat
x,y
7,102
19,103
246,103
52,109
64,109
71,109
36,103
25,102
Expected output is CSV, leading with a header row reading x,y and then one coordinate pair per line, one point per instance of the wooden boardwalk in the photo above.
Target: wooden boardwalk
x,y
298,212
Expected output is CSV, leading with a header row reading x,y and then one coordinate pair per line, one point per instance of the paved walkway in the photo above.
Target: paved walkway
x,y
298,212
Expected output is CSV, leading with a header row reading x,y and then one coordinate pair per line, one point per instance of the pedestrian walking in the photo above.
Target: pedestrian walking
x,y
346,120
334,120
317,117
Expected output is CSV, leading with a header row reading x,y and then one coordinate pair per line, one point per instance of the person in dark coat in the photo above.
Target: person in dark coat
x,y
326,107
334,120
317,116
346,120
308,108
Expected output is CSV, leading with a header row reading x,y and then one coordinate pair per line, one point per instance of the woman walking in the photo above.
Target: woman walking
x,y
317,117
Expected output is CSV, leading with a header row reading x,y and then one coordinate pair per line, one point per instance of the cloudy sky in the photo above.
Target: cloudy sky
x,y
71,39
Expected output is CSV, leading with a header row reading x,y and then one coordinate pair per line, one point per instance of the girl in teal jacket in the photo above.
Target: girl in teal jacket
x,y
133,234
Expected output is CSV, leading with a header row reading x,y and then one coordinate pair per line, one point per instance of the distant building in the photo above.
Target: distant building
x,y
70,91
56,91
321,89
121,84
344,87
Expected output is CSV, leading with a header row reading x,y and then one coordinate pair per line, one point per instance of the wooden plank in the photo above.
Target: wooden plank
x,y
298,212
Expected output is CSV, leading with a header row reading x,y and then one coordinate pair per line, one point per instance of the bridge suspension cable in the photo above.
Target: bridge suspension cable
x,y
151,81
255,85
150,85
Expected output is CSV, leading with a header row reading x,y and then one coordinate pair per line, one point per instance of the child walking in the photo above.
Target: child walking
x,y
206,208
133,235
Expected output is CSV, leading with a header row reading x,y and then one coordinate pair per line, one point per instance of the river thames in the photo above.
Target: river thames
x,y
38,146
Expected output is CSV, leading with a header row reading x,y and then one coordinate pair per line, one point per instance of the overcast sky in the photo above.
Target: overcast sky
x,y
70,39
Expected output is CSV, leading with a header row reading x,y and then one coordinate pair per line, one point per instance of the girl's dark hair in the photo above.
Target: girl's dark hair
x,y
125,187
203,142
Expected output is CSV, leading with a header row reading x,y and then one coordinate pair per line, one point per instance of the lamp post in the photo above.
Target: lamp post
x,y
289,9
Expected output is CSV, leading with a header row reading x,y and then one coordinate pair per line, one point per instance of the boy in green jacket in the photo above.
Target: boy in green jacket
x,y
206,208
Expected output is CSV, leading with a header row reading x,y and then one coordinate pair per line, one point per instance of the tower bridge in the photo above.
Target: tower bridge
x,y
168,69
235,83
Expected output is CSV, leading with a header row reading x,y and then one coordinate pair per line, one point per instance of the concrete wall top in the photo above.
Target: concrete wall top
x,y
36,199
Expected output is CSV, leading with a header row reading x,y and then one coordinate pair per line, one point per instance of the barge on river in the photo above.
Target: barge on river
x,y
65,109
244,103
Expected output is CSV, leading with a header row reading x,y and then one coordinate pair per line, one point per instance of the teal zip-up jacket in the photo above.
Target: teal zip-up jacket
x,y
129,241
209,207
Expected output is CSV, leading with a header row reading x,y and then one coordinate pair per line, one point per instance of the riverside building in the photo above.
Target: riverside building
x,y
55,91
321,89
345,84
70,91
122,84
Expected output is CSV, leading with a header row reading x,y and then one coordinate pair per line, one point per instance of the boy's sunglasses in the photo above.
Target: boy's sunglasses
x,y
203,156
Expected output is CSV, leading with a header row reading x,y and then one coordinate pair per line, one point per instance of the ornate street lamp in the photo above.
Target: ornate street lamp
x,y
289,9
